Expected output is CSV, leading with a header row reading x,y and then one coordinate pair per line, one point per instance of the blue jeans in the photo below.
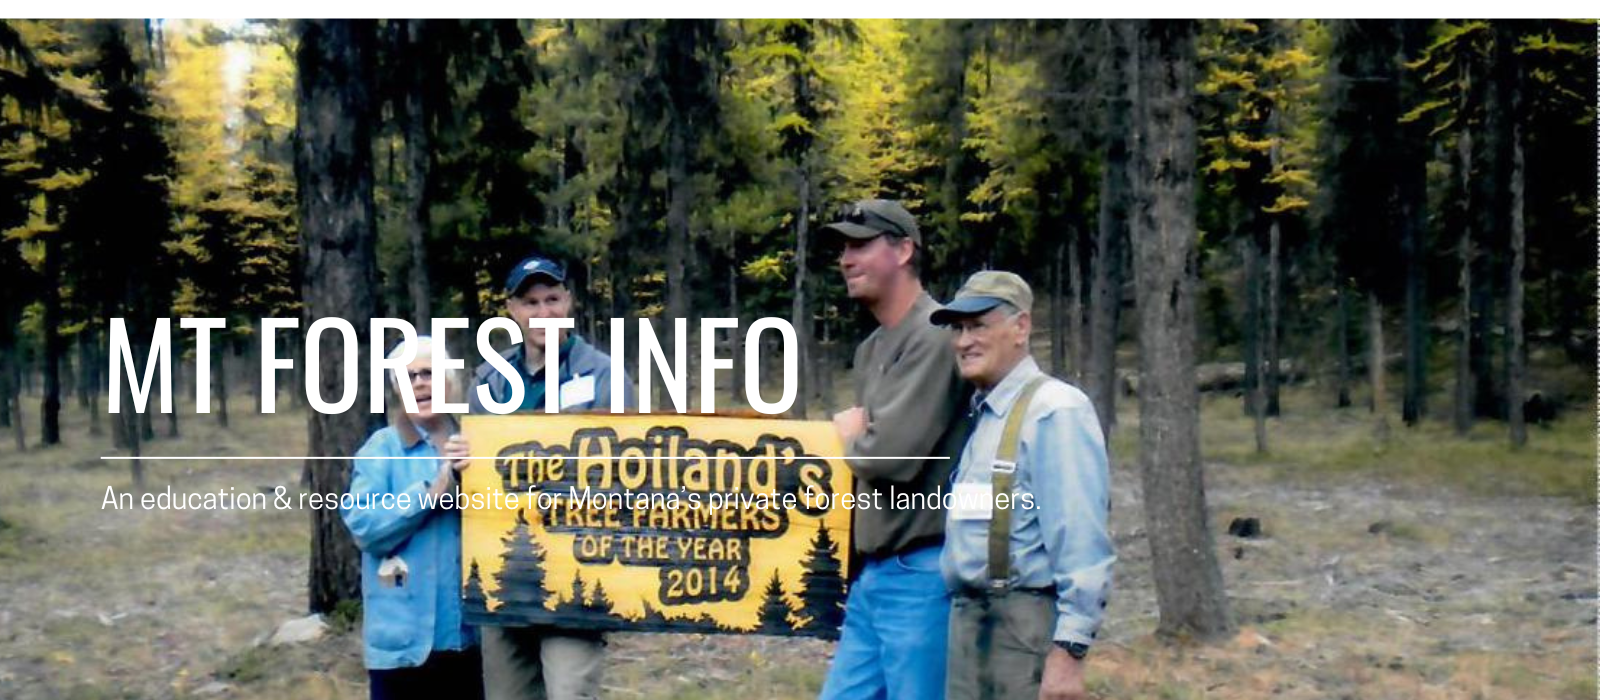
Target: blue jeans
x,y
896,620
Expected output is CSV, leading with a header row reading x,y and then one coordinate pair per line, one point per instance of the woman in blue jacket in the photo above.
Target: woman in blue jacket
x,y
416,643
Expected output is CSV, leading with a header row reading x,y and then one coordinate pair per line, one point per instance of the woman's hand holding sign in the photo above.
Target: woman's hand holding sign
x,y
456,452
454,460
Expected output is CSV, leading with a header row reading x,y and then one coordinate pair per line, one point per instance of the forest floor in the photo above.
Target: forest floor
x,y
1435,567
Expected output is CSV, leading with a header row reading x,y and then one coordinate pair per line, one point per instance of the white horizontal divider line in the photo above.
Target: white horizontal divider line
x,y
122,458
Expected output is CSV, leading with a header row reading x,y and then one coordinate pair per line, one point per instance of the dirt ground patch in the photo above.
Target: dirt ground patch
x,y
1360,587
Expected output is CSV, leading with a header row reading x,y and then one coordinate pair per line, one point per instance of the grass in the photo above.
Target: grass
x,y
1312,441
195,589
107,603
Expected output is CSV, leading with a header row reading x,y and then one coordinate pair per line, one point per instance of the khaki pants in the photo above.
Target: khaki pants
x,y
541,663
998,643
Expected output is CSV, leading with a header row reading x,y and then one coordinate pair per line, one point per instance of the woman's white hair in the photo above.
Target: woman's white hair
x,y
423,346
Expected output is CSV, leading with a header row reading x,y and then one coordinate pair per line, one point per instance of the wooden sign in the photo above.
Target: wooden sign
x,y
667,523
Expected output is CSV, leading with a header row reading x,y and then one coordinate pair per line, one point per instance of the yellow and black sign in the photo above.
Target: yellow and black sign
x,y
656,523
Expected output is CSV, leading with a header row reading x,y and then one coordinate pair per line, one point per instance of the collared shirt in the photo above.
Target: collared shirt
x,y
402,624
1061,543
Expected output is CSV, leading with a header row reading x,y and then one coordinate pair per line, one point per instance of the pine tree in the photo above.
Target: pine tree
x,y
473,601
822,588
1363,165
1257,77
598,600
651,618
579,597
688,57
522,593
775,610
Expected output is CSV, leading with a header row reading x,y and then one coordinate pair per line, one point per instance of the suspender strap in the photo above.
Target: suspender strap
x,y
1005,469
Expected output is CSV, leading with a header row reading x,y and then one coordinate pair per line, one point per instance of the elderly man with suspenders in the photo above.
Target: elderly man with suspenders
x,y
1027,554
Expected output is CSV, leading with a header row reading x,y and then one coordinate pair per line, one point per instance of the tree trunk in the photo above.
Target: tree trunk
x,y
50,402
823,350
82,375
255,376
131,421
471,309
1250,322
7,354
1111,231
177,385
1413,404
618,268
89,378
679,189
1375,366
14,406
418,154
127,422
1412,190
1465,383
147,428
222,351
1189,589
296,340
736,338
1341,342
1058,326
1255,391
20,432
10,358
1493,180
1485,394
1274,284
333,168
1074,280
119,424
1516,361
800,311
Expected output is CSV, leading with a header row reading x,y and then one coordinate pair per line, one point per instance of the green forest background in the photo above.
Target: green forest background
x,y
1440,172
1329,201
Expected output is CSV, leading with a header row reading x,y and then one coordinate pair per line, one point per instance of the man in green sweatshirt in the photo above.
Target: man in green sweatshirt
x,y
899,437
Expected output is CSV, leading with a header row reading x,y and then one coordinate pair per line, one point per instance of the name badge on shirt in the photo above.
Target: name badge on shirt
x,y
973,501
578,390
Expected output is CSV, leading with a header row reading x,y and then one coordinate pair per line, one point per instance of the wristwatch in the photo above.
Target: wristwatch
x,y
1077,650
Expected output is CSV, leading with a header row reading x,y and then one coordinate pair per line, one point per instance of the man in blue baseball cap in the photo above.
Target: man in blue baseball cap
x,y
536,287
543,661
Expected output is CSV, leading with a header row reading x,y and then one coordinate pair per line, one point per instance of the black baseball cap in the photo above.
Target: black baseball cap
x,y
870,218
531,267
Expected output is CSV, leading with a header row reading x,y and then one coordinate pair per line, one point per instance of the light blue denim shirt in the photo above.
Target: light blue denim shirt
x,y
403,624
1061,543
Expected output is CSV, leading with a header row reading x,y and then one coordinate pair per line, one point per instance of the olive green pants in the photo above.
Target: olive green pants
x,y
998,643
